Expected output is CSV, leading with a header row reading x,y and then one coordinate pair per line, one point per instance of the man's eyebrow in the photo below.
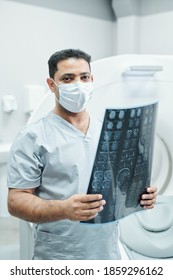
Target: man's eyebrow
x,y
84,73
67,74
72,75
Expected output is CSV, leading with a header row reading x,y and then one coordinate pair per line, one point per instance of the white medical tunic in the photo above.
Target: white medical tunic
x,y
56,158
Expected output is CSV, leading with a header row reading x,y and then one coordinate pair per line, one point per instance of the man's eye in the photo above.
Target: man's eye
x,y
85,78
67,79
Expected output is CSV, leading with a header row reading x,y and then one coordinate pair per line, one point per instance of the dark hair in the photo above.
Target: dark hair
x,y
63,55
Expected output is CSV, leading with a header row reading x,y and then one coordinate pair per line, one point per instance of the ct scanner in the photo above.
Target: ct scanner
x,y
130,80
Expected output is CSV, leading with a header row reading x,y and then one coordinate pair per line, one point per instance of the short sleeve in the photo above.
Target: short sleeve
x,y
24,166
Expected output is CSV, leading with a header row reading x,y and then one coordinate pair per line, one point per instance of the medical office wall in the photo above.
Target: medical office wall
x,y
144,26
30,31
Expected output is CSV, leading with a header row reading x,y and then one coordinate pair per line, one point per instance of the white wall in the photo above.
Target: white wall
x,y
149,34
156,33
29,35
127,35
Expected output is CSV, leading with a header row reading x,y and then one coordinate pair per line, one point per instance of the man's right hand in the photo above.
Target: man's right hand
x,y
83,207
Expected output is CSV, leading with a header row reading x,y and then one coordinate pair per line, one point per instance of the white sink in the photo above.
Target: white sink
x,y
4,150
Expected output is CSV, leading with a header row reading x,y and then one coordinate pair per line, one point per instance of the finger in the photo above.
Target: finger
x,y
82,214
148,207
90,212
87,214
149,196
148,202
90,216
152,189
93,205
91,197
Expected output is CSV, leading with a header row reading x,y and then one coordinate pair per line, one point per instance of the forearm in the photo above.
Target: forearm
x,y
25,205
31,208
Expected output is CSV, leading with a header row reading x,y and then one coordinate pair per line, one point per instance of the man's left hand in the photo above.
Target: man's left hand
x,y
149,198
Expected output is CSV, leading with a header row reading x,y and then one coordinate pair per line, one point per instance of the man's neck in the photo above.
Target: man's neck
x,y
79,120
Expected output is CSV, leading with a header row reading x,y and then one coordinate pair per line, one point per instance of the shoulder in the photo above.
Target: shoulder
x,y
31,132
36,126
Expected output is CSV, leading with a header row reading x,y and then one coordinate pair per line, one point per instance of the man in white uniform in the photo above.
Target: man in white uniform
x,y
50,165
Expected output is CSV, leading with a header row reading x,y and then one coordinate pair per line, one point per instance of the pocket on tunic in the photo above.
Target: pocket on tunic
x,y
48,246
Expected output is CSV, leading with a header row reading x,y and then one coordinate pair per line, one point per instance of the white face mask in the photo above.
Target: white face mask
x,y
74,97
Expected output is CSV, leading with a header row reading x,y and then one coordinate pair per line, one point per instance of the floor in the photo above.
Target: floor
x,y
9,238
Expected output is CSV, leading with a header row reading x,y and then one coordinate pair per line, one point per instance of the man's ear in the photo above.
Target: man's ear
x,y
50,84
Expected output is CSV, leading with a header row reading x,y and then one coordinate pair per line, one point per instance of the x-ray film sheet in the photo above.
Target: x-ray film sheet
x,y
123,162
